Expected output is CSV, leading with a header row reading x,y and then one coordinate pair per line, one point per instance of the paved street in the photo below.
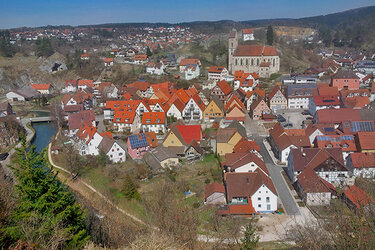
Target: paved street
x,y
290,206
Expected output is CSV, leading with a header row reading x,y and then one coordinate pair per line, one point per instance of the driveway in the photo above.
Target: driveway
x,y
283,191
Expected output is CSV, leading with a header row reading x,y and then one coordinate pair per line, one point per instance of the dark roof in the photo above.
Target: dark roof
x,y
345,74
240,129
106,143
163,153
213,188
76,120
312,183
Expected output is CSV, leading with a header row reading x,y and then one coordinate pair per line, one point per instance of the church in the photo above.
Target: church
x,y
261,59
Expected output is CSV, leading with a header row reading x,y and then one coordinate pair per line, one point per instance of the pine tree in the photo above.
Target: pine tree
x,y
129,189
46,213
269,35
148,52
250,240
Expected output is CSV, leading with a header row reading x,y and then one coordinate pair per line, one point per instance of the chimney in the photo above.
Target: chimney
x,y
247,180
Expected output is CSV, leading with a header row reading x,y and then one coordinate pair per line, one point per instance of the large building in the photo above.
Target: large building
x,y
264,60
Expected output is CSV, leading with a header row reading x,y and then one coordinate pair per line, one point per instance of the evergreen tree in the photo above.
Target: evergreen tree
x,y
6,48
46,214
250,240
148,52
129,189
43,47
269,35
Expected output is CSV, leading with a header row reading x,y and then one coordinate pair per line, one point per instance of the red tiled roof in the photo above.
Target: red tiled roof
x,y
76,120
337,141
326,100
273,92
213,188
88,83
151,139
41,86
247,31
236,160
140,85
199,102
358,197
216,69
72,82
190,132
108,60
126,117
234,100
337,115
224,86
107,133
246,146
363,160
255,50
186,61
237,209
140,57
366,140
312,183
149,118
326,90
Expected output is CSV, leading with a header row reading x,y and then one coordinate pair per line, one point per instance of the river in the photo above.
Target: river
x,y
44,131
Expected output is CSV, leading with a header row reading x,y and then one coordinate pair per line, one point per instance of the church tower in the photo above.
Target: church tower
x,y
232,45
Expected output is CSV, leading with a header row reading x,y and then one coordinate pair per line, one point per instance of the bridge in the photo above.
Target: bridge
x,y
41,119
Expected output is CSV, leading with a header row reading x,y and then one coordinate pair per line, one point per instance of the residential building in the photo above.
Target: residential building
x,y
193,110
115,150
188,61
5,109
128,121
214,193
25,93
140,144
44,89
247,34
299,95
254,188
77,120
277,100
362,164
191,71
217,73
221,90
357,199
155,68
227,139
214,110
244,162
345,80
154,121
245,81
258,109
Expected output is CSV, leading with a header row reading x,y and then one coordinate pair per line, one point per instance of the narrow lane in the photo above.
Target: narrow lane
x,y
290,206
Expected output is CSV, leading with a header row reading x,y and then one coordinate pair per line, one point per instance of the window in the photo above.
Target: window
x,y
268,207
267,199
259,205
259,198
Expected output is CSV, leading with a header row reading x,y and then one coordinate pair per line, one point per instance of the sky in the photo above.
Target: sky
x,y
35,13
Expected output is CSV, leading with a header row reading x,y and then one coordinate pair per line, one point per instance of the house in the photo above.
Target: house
x,y
139,106
345,80
244,162
154,121
247,34
357,199
167,157
155,68
140,144
44,89
357,99
140,59
318,102
182,135
85,56
362,164
128,121
214,193
283,140
217,73
247,146
258,109
70,86
144,88
77,120
277,100
299,95
176,109
227,139
188,61
191,71
115,150
131,52
221,90
72,109
234,112
194,108
253,188
352,127
314,190
107,90
214,110
5,109
245,81
108,62
25,93
251,96
88,140
88,100
365,142
327,163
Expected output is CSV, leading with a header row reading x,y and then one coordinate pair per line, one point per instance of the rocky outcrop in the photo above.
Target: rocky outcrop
x,y
54,63
10,131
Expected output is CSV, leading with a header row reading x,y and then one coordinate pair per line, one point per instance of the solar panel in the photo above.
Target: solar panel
x,y
364,126
324,138
136,142
347,137
328,129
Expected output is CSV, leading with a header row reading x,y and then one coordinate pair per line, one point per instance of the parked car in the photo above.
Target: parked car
x,y
281,118
305,113
3,156
288,125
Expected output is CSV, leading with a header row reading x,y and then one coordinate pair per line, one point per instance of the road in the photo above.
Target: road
x,y
283,191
